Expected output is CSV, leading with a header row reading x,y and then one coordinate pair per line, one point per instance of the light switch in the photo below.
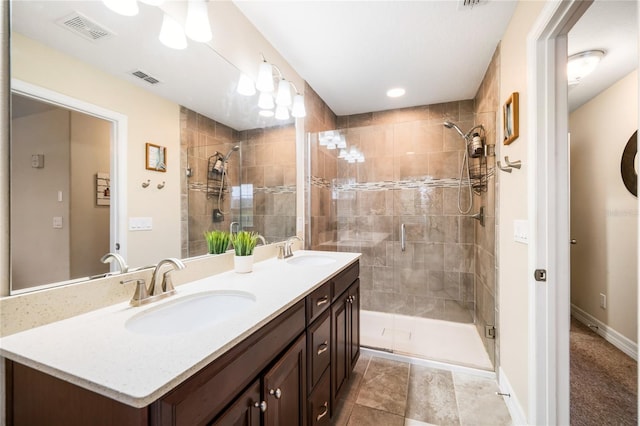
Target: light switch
x,y
521,231
57,222
140,224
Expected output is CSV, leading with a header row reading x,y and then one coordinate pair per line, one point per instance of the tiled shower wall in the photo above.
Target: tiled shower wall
x,y
486,110
412,165
268,165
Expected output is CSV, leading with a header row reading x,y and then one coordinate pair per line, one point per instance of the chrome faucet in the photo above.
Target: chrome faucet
x,y
262,240
142,295
288,252
110,257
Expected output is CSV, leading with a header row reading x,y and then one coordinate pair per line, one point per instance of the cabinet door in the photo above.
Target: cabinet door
x,y
339,349
244,411
285,388
354,328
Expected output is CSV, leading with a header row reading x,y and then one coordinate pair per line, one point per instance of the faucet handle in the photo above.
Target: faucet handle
x,y
140,293
167,283
280,251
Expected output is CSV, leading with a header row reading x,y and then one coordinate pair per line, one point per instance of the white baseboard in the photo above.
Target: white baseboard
x,y
513,404
621,342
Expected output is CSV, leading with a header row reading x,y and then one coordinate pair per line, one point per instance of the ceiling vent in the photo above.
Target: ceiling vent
x,y
146,77
84,27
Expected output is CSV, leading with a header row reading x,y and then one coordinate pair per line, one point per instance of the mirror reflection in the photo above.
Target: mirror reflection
x,y
194,112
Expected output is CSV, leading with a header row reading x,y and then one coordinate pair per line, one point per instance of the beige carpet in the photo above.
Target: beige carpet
x,y
604,385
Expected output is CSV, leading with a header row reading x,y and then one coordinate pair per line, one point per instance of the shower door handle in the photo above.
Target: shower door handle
x,y
403,237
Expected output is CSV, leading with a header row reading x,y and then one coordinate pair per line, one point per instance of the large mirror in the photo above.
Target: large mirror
x,y
184,101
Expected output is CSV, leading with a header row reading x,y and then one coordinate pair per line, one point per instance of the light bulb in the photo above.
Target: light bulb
x,y
265,101
197,25
298,109
246,86
265,78
282,113
123,7
172,34
283,97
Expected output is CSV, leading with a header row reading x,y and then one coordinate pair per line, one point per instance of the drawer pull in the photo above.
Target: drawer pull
x,y
261,405
324,413
322,301
277,393
323,347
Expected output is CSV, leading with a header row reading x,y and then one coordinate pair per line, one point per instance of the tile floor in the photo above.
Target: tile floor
x,y
387,392
416,336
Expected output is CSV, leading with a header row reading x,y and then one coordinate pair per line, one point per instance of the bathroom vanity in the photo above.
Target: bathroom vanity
x,y
283,361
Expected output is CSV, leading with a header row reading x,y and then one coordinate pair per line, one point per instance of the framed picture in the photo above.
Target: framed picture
x,y
156,158
510,119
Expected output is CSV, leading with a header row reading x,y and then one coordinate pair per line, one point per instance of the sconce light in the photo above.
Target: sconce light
x,y
265,101
282,113
246,86
582,64
265,78
123,7
298,109
197,26
172,34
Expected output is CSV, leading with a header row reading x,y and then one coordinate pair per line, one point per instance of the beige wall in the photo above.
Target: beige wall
x,y
604,215
512,205
150,119
89,222
34,199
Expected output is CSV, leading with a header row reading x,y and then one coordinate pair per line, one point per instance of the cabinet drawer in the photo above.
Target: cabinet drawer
x,y
318,301
319,350
342,281
319,402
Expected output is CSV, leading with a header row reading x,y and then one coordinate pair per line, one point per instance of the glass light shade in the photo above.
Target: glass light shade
x,y
331,145
283,97
282,113
351,160
298,109
265,101
172,34
265,78
343,142
266,113
582,64
197,25
123,7
360,159
342,153
246,86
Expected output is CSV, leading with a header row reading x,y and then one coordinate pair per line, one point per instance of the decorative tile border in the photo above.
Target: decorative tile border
x,y
348,185
280,189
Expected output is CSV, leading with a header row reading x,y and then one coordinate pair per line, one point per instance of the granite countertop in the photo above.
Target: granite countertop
x,y
96,351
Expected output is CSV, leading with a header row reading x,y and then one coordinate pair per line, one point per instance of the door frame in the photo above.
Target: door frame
x,y
548,189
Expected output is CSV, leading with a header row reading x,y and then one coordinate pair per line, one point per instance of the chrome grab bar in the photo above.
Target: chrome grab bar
x,y
403,237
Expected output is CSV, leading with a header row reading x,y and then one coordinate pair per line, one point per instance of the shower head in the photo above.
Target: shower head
x,y
450,125
235,148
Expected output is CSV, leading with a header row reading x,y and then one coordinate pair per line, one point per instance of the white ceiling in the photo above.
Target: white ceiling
x,y
350,52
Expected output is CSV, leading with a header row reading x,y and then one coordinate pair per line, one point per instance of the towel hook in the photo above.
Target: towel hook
x,y
515,164
161,185
504,169
146,184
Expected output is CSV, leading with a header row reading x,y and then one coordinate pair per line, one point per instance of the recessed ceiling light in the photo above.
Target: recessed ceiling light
x,y
582,64
396,92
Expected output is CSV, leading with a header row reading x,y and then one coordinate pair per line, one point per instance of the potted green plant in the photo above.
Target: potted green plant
x,y
243,244
217,241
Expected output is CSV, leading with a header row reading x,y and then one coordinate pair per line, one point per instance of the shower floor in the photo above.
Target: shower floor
x,y
442,341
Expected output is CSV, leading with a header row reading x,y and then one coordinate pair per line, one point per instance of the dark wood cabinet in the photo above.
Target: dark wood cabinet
x,y
345,338
284,388
244,411
320,402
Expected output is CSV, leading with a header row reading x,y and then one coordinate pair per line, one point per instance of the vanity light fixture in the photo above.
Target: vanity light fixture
x,y
282,113
197,26
172,34
123,7
283,96
246,86
266,113
265,101
265,78
582,64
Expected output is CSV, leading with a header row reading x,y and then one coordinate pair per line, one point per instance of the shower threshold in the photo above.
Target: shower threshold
x,y
442,341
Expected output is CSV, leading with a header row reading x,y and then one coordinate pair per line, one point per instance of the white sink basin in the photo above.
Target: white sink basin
x,y
191,313
311,260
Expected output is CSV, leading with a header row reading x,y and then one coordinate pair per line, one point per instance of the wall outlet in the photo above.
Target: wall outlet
x,y
603,301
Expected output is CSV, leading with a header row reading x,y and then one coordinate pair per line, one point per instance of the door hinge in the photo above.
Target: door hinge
x,y
489,332
540,274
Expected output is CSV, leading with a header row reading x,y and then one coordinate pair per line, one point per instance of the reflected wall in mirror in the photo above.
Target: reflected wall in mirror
x,y
236,180
56,156
100,72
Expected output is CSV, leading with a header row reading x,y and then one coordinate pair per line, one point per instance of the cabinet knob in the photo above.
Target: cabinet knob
x,y
261,405
324,412
277,393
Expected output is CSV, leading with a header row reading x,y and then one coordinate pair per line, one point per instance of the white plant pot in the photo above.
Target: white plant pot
x,y
243,264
